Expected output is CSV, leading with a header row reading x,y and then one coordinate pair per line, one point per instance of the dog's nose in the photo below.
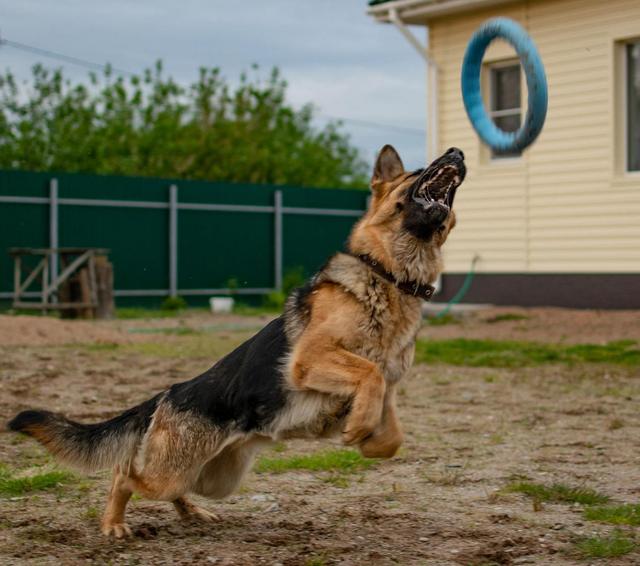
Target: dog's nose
x,y
455,153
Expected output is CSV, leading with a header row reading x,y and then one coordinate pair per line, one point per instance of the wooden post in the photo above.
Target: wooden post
x,y
45,284
104,279
85,294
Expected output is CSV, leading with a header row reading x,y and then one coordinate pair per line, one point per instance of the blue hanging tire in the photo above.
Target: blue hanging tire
x,y
489,133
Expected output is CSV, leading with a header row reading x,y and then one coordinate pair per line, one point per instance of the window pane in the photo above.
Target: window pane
x,y
633,105
508,123
505,87
505,95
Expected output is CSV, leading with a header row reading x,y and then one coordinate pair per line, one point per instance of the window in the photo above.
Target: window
x,y
505,106
633,106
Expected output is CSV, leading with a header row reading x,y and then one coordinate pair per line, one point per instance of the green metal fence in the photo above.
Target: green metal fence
x,y
176,237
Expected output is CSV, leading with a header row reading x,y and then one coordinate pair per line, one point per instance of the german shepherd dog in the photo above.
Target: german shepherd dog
x,y
329,365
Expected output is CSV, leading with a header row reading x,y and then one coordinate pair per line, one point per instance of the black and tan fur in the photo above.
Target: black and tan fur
x,y
329,365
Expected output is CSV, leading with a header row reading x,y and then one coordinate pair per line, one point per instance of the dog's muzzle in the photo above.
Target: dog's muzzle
x,y
430,198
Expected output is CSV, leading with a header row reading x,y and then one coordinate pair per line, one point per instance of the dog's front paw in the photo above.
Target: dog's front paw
x,y
357,430
380,446
118,530
354,436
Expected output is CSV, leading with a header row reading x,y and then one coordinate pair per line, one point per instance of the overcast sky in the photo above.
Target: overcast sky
x,y
331,53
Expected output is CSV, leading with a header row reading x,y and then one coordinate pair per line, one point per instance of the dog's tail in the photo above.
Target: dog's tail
x,y
88,446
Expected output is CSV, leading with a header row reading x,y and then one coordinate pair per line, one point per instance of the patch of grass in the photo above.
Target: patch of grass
x,y
442,320
13,486
507,316
199,345
347,461
626,514
514,354
616,544
175,331
558,493
136,312
91,513
97,347
248,310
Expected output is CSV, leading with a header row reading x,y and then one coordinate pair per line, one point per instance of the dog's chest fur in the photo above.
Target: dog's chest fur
x,y
386,329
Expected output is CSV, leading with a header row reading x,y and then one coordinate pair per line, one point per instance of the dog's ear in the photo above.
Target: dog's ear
x,y
388,166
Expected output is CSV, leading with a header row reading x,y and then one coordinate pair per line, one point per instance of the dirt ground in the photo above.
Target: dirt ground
x,y
470,432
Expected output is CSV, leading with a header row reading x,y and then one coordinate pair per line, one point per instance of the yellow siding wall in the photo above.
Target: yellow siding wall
x,y
566,205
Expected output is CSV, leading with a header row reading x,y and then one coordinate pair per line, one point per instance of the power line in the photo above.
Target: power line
x,y
100,67
378,125
61,57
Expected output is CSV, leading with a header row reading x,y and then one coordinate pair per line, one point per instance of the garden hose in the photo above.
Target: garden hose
x,y
466,285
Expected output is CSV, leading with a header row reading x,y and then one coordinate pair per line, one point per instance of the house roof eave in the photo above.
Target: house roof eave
x,y
421,11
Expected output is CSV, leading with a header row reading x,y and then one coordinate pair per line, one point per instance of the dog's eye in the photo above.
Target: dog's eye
x,y
399,207
442,228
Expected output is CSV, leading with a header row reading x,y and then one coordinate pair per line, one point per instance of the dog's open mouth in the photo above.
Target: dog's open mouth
x,y
437,184
438,187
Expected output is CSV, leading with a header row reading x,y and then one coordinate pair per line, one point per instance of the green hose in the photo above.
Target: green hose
x,y
466,284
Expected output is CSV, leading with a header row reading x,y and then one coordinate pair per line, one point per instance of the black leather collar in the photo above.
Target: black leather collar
x,y
409,287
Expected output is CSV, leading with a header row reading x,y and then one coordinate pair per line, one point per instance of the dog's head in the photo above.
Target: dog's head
x,y
410,215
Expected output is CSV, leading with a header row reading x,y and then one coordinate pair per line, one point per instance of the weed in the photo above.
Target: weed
x,y
326,461
91,513
558,493
617,544
11,486
336,480
616,424
513,354
627,514
496,438
279,447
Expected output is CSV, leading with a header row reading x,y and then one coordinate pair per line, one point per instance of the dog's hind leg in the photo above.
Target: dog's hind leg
x,y
221,475
189,511
113,519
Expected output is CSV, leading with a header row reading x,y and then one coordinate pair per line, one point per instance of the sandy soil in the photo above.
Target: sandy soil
x,y
469,433
35,331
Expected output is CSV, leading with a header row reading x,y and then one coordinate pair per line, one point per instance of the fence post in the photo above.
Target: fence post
x,y
173,240
53,232
277,239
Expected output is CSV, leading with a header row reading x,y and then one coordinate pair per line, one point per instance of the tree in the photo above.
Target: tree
x,y
150,125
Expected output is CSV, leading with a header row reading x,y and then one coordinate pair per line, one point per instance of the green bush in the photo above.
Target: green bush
x,y
173,304
293,278
275,301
